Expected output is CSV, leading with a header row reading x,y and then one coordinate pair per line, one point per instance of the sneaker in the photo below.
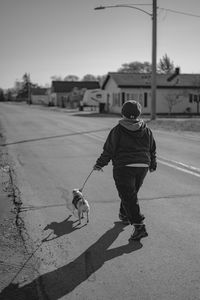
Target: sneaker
x,y
124,219
139,232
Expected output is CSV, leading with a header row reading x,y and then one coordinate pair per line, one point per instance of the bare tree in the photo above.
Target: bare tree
x,y
172,100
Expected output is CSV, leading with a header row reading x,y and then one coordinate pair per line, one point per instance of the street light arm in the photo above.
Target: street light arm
x,y
123,5
154,46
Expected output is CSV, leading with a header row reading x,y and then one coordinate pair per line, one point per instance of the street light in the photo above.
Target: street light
x,y
153,15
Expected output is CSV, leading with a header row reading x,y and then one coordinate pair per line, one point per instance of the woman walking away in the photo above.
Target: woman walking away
x,y
132,148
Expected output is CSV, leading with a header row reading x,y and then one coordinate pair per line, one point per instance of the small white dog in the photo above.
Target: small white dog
x,y
80,204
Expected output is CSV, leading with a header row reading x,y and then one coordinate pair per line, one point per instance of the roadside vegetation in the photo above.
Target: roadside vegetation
x,y
173,124
180,123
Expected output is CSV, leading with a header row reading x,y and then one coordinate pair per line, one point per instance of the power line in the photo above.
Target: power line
x,y
179,12
167,9
139,4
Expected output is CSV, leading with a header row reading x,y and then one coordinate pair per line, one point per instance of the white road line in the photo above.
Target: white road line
x,y
170,163
179,168
180,163
188,136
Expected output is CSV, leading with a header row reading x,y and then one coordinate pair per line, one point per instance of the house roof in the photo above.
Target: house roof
x,y
129,80
38,91
67,86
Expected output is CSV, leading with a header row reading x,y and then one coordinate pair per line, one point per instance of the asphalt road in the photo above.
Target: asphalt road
x,y
52,153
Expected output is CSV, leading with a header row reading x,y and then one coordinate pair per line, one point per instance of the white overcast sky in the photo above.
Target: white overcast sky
x,y
62,37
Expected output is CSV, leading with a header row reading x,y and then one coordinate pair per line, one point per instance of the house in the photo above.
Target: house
x,y
70,93
175,94
40,96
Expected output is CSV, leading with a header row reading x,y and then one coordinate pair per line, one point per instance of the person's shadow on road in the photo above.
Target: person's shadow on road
x,y
60,282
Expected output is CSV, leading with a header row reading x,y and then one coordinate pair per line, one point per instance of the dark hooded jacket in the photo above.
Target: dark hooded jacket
x,y
129,142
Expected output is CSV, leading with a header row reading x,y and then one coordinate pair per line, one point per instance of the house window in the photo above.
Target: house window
x,y
195,98
131,96
145,99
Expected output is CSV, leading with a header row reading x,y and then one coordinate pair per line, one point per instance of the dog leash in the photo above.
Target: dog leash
x,y
86,180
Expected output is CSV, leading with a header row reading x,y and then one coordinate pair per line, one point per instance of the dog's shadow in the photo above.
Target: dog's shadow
x,y
58,229
60,282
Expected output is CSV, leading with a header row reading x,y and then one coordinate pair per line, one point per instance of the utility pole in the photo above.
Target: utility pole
x,y
154,60
153,15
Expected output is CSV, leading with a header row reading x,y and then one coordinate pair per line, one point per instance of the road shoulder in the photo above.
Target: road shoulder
x,y
13,253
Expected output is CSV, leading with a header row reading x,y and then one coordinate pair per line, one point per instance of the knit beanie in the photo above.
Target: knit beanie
x,y
131,109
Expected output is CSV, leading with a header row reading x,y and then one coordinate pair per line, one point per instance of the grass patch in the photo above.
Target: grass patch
x,y
168,124
176,124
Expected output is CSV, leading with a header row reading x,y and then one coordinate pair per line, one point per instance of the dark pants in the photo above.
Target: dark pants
x,y
128,181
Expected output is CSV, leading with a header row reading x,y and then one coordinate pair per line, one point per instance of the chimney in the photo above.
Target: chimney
x,y
172,76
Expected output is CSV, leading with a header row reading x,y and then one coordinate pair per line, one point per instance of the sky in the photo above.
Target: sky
x,y
48,38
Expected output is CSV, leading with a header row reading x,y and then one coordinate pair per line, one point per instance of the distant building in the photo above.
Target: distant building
x,y
70,93
40,96
175,94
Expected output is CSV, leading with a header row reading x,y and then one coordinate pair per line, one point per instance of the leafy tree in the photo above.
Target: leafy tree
x,y
18,86
25,90
136,67
165,65
56,78
71,78
8,95
25,85
2,97
89,77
